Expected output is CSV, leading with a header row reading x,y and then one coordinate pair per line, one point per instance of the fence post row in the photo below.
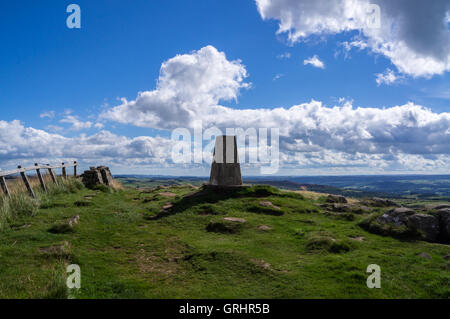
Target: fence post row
x,y
26,182
64,175
4,186
38,168
52,174
41,180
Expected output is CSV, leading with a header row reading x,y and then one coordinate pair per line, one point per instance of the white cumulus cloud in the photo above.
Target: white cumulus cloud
x,y
315,62
413,34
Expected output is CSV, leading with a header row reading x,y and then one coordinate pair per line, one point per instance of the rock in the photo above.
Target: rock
x,y
381,202
441,207
358,238
444,221
264,227
261,263
73,220
269,204
167,194
424,255
92,178
396,216
427,225
342,208
97,176
235,219
106,175
336,199
167,206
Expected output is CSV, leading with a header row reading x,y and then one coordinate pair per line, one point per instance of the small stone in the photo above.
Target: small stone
x,y
269,204
167,206
235,219
264,227
359,238
168,194
73,220
261,263
424,255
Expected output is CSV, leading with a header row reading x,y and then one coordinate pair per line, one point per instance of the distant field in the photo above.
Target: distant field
x,y
416,187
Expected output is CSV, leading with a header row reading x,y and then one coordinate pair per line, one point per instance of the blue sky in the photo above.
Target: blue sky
x,y
79,74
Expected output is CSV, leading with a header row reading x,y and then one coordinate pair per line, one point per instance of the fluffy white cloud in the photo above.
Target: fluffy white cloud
x,y
388,77
22,145
315,62
407,137
76,124
49,114
188,86
351,133
413,34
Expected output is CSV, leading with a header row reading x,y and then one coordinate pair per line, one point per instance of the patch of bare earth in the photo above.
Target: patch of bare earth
x,y
162,265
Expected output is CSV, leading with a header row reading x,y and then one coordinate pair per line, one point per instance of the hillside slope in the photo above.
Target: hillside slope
x,y
175,243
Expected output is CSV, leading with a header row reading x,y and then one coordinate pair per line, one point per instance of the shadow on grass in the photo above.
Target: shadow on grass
x,y
212,195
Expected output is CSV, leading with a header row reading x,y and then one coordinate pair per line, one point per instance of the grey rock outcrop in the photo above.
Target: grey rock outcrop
x,y
444,221
380,202
397,216
97,176
427,225
336,199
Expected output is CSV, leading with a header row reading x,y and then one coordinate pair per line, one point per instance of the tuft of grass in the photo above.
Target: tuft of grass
x,y
323,242
21,204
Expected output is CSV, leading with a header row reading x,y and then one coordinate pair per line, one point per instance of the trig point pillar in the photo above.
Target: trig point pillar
x,y
225,168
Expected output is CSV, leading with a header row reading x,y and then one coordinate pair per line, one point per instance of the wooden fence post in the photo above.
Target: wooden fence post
x,y
64,171
41,180
52,174
26,182
75,169
4,186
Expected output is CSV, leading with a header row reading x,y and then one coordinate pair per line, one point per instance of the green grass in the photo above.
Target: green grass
x,y
127,247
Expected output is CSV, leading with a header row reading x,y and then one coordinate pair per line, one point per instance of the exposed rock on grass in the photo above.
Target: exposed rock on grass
x,y
444,224
261,263
264,228
336,199
397,216
266,207
404,222
427,225
269,204
167,194
379,202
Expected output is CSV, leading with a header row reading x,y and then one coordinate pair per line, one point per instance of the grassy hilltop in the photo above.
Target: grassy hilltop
x,y
174,242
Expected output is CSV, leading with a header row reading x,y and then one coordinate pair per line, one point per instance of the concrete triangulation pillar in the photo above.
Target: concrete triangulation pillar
x,y
225,168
